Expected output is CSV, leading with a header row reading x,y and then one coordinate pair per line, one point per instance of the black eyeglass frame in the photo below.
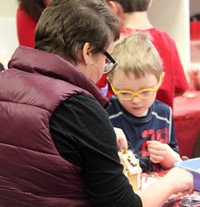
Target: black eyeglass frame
x,y
110,58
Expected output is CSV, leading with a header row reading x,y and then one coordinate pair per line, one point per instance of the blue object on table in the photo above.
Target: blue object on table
x,y
193,166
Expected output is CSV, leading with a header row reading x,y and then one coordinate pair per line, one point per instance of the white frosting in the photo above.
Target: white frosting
x,y
130,163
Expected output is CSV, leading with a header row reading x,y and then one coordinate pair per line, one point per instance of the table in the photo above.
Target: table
x,y
187,121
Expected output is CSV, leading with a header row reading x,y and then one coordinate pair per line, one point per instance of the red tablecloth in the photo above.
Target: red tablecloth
x,y
187,121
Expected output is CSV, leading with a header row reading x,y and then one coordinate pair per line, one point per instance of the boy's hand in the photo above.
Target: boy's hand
x,y
157,151
121,139
163,154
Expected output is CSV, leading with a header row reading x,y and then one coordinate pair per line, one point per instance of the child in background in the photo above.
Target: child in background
x,y
133,16
146,122
27,16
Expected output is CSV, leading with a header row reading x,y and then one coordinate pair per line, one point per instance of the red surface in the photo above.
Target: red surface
x,y
187,121
195,30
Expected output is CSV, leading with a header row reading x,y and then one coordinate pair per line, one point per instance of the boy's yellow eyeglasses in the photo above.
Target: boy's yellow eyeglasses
x,y
142,94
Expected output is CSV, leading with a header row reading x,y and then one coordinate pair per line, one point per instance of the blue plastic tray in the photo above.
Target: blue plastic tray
x,y
193,166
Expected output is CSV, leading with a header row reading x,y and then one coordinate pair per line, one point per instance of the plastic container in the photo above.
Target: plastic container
x,y
193,166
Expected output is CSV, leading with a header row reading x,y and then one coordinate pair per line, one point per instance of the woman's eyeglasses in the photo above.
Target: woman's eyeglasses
x,y
142,94
110,63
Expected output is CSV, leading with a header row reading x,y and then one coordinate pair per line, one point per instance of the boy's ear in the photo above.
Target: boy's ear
x,y
150,3
116,8
162,77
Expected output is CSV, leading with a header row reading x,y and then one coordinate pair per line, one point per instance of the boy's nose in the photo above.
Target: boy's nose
x,y
136,99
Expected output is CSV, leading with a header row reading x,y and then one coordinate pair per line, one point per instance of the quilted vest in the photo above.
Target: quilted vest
x,y
32,172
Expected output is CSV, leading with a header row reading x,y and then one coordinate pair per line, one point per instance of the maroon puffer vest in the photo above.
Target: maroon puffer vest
x,y
32,172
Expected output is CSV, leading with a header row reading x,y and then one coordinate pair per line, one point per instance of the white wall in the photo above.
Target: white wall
x,y
172,16
8,8
8,32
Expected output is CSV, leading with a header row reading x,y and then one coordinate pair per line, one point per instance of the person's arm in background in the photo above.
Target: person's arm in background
x,y
27,16
25,28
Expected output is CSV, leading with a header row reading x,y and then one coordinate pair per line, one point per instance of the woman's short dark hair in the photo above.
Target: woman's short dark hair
x,y
66,25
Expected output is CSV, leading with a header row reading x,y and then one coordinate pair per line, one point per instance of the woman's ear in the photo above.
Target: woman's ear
x,y
86,52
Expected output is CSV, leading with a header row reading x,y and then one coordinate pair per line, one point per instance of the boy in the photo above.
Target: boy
x,y
133,16
146,122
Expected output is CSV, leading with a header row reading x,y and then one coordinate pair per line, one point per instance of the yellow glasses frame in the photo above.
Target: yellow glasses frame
x,y
138,93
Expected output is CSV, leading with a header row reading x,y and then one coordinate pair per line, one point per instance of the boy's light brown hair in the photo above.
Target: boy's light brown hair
x,y
136,54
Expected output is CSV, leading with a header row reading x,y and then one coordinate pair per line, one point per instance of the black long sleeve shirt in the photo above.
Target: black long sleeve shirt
x,y
83,135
